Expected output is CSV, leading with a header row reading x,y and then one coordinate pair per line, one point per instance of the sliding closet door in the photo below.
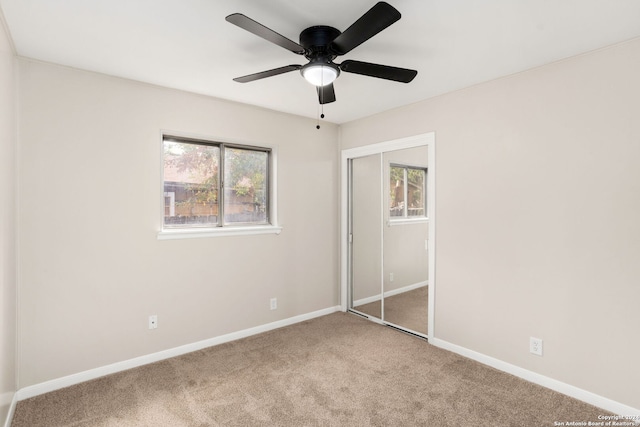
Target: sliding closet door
x,y
406,228
366,235
388,232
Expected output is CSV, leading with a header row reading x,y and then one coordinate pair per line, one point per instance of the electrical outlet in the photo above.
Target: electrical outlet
x,y
535,346
391,277
274,303
153,321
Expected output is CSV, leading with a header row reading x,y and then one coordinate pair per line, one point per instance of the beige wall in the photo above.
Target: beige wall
x,y
405,255
7,223
538,235
91,268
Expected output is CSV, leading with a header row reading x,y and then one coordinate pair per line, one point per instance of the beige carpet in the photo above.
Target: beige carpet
x,y
336,370
408,309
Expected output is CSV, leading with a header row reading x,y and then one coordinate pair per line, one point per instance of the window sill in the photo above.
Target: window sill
x,y
405,221
196,233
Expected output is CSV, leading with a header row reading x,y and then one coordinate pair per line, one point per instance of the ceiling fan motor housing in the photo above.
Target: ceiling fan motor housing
x,y
316,41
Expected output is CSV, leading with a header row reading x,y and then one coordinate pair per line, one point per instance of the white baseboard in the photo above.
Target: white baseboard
x,y
564,388
367,300
48,386
13,399
387,294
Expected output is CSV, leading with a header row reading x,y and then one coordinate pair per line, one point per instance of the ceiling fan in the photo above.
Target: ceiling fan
x,y
321,44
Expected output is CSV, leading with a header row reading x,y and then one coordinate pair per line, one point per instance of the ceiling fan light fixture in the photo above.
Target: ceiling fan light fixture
x,y
320,74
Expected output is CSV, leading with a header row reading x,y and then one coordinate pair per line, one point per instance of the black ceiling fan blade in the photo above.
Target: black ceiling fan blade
x,y
386,72
326,94
379,17
260,30
268,73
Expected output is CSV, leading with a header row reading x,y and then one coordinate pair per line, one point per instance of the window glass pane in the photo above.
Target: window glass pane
x,y
396,192
415,190
245,186
191,176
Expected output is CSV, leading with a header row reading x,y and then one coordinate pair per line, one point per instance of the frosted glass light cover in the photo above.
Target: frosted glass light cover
x,y
319,75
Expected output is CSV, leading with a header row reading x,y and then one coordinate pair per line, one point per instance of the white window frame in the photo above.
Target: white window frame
x,y
273,227
405,219
172,201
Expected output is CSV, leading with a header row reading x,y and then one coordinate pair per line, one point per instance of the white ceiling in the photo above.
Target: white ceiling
x,y
187,44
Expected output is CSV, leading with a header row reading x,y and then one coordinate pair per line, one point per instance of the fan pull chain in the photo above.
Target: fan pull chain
x,y
321,92
321,108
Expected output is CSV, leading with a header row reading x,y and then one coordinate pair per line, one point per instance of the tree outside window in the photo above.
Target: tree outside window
x,y
407,191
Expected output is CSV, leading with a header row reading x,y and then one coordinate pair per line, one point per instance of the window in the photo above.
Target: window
x,y
407,192
213,185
